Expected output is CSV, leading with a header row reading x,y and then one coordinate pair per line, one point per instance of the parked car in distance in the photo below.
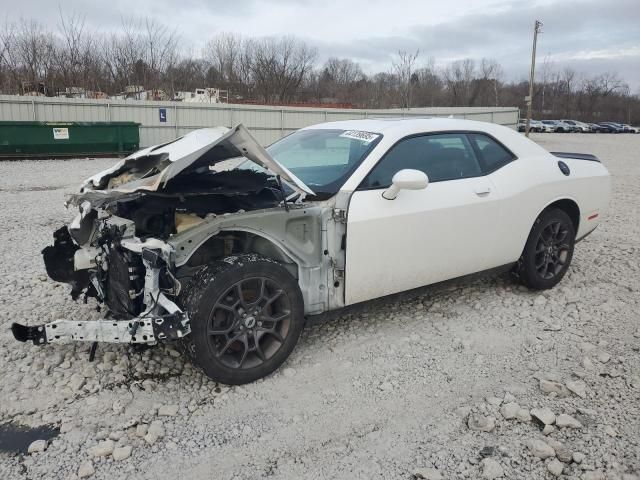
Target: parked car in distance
x,y
559,126
534,126
612,127
229,261
620,126
631,129
522,124
550,123
543,128
595,128
604,128
579,126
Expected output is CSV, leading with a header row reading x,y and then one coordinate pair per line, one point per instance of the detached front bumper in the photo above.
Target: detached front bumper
x,y
149,330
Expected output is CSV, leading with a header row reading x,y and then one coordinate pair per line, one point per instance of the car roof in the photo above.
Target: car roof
x,y
394,129
408,126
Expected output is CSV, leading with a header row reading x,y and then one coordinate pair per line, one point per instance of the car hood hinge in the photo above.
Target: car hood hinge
x,y
339,215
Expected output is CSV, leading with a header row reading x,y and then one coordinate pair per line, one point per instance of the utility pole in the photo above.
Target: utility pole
x,y
529,99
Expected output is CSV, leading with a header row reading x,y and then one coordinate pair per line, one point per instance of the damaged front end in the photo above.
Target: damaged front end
x,y
117,249
132,278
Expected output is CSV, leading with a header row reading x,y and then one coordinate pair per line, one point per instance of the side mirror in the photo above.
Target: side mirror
x,y
406,179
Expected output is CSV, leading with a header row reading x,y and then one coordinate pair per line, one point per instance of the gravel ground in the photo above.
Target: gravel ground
x,y
454,381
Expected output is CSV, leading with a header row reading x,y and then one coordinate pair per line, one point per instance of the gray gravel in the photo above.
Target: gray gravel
x,y
385,390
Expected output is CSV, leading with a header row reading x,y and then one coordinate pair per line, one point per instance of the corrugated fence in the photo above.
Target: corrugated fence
x,y
164,121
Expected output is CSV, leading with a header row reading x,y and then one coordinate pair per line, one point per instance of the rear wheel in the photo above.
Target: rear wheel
x,y
246,314
548,251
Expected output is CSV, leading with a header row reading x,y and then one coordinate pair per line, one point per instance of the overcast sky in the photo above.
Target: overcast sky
x,y
591,36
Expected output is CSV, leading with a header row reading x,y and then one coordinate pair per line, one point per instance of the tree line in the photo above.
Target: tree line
x,y
277,70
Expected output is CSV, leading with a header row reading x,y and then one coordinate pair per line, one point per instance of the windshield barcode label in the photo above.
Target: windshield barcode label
x,y
366,137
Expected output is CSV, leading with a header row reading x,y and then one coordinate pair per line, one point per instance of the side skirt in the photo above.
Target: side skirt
x,y
491,272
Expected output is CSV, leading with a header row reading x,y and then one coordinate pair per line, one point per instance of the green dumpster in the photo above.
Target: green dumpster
x,y
68,139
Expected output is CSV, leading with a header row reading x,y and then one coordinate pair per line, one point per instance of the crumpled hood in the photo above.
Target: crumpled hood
x,y
151,168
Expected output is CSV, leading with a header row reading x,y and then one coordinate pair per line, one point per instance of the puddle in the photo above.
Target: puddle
x,y
16,438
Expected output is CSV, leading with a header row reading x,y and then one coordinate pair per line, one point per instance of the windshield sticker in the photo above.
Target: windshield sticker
x,y
366,137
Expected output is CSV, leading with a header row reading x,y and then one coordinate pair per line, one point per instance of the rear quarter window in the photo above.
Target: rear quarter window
x,y
491,154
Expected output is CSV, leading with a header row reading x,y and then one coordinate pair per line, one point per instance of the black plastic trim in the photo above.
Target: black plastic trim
x,y
576,156
23,333
586,234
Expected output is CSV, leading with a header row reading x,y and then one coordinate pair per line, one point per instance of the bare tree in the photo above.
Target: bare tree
x,y
403,68
382,90
224,53
121,52
70,55
278,67
160,47
545,75
429,86
33,49
9,74
489,80
339,79
458,77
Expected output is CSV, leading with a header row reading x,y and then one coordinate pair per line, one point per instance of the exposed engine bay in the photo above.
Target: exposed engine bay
x,y
191,197
117,248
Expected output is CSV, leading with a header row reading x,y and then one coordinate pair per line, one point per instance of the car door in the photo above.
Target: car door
x,y
423,236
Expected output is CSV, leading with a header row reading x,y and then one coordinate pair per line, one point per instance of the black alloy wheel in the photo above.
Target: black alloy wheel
x,y
246,314
249,322
548,251
552,249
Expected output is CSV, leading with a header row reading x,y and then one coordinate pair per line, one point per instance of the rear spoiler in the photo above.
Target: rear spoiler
x,y
576,156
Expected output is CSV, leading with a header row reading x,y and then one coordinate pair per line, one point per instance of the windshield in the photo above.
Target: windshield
x,y
322,159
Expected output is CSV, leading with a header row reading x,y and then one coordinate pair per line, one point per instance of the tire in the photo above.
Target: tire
x,y
246,314
548,251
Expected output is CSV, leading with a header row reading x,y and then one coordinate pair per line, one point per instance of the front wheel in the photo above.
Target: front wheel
x,y
548,251
246,314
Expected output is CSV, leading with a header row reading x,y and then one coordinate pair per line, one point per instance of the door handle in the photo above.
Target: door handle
x,y
483,190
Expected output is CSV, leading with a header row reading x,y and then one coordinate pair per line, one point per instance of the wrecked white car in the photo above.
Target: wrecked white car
x,y
217,243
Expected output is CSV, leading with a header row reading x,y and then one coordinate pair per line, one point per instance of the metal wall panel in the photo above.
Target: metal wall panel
x,y
267,123
293,119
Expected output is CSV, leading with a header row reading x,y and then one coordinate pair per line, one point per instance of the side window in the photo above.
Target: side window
x,y
492,154
442,157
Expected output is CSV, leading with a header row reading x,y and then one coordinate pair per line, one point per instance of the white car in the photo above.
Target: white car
x,y
541,127
225,247
579,126
559,126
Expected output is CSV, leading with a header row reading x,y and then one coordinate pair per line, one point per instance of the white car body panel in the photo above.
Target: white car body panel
x,y
527,189
448,230
421,237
